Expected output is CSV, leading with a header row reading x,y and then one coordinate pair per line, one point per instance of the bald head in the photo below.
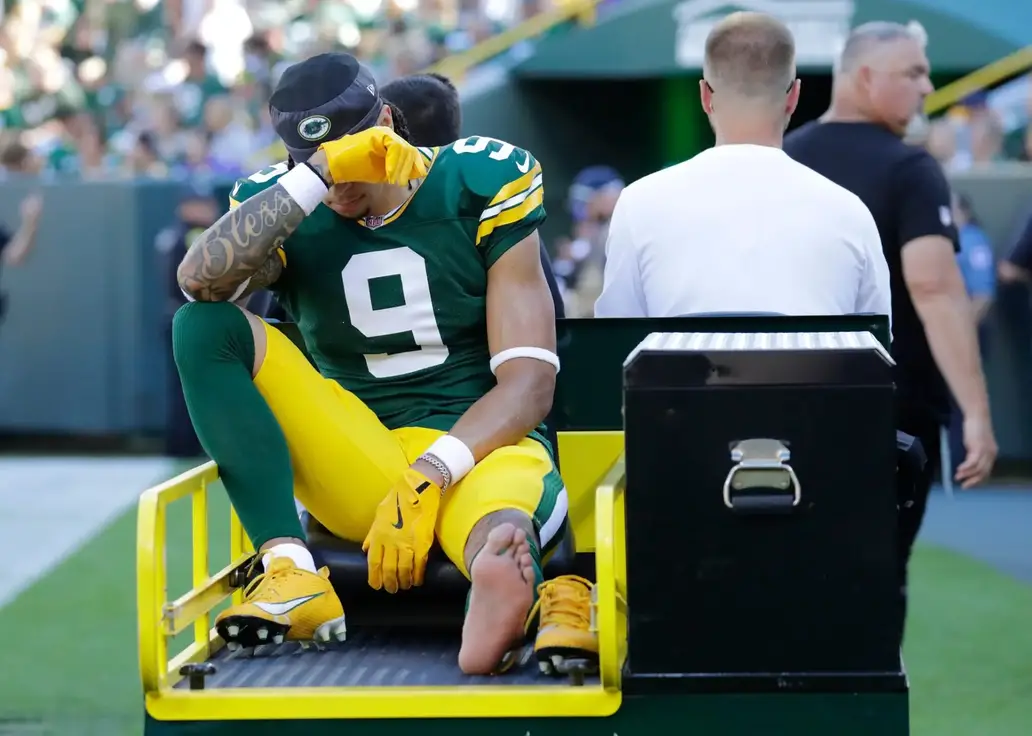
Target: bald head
x,y
750,56
868,39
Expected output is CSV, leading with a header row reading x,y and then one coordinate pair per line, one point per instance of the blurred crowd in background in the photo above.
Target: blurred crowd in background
x,y
178,88
97,88
987,127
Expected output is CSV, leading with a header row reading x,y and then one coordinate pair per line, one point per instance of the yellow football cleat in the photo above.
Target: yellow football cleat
x,y
284,602
565,635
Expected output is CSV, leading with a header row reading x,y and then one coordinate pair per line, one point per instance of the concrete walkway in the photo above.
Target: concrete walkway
x,y
49,507
991,525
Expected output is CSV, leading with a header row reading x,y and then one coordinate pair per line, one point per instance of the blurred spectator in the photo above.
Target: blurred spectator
x,y
1017,266
144,159
229,139
14,249
197,211
15,158
986,140
941,142
579,261
199,86
975,258
86,80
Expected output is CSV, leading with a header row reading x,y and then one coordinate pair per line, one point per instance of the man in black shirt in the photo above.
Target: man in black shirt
x,y
879,86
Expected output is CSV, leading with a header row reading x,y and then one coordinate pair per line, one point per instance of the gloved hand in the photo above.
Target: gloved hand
x,y
402,532
373,156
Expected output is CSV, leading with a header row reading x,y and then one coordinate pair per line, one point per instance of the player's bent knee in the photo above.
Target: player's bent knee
x,y
205,330
259,338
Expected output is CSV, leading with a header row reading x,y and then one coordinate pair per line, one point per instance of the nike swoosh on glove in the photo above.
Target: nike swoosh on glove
x,y
399,540
374,156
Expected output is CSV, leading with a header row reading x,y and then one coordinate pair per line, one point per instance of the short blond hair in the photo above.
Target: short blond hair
x,y
751,55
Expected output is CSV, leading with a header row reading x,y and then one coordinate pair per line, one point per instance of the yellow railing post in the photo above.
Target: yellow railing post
x,y
988,76
199,510
456,66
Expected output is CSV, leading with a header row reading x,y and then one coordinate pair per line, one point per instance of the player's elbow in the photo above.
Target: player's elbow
x,y
193,287
531,383
540,393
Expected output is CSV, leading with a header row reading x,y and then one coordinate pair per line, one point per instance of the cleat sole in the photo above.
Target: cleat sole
x,y
249,631
334,630
560,662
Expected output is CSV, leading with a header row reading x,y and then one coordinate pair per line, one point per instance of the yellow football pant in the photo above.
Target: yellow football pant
x,y
345,461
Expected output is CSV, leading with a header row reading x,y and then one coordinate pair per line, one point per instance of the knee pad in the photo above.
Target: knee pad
x,y
203,331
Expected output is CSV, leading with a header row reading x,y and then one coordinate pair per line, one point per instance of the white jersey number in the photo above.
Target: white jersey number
x,y
260,177
479,143
415,316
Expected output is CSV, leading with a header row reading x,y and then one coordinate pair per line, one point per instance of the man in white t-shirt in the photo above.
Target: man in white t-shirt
x,y
741,227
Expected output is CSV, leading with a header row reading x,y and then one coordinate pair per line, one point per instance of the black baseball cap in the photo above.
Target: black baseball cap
x,y
323,98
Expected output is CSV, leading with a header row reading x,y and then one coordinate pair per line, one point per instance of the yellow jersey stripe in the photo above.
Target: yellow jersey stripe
x,y
233,204
516,186
400,209
282,255
511,201
531,202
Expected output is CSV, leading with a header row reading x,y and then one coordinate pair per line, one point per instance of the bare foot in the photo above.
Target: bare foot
x,y
501,596
521,553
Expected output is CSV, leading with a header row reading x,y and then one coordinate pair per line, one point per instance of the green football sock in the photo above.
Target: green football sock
x,y
214,352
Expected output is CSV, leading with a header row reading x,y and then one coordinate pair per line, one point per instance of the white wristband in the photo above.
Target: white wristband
x,y
455,456
546,356
304,187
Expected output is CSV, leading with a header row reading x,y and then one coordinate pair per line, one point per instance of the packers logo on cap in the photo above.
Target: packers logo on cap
x,y
314,128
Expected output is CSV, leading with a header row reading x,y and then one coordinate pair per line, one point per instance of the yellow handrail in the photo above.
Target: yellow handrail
x,y
457,65
988,76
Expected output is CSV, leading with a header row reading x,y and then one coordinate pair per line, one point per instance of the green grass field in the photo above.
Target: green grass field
x,y
70,667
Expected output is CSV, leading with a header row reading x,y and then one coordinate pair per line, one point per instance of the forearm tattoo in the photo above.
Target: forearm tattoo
x,y
240,245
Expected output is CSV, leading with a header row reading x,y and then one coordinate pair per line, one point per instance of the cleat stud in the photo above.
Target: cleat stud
x,y
263,633
233,646
233,630
278,639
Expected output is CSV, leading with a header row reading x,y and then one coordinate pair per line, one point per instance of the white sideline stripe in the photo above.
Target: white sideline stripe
x,y
52,506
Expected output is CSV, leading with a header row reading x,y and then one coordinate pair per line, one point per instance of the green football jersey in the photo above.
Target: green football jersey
x,y
394,307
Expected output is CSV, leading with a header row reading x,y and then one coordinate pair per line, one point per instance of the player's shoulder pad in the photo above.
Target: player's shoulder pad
x,y
494,170
257,182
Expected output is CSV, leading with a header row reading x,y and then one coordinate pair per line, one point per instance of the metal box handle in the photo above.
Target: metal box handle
x,y
761,463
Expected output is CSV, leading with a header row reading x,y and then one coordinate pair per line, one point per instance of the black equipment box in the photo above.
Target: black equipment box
x,y
761,510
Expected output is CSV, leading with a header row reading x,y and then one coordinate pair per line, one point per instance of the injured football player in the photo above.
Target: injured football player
x,y
415,279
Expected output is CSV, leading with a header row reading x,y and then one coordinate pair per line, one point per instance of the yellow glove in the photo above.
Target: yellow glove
x,y
374,156
403,530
